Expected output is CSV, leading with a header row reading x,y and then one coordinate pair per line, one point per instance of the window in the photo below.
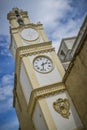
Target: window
x,y
19,18
17,13
62,53
20,21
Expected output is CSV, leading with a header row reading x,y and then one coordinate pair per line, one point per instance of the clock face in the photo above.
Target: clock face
x,y
43,64
29,34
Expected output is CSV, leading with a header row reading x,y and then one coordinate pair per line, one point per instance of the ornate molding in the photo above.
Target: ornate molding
x,y
27,25
43,92
36,47
62,106
35,51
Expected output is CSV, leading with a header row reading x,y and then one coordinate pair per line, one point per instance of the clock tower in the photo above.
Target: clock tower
x,y
40,98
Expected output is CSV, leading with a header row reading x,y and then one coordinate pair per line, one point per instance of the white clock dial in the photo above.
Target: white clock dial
x,y
43,64
29,34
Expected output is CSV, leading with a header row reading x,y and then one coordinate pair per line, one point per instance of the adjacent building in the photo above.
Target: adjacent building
x,y
75,77
65,49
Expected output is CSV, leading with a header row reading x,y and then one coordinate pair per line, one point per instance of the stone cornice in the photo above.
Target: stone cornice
x,y
35,49
44,92
25,26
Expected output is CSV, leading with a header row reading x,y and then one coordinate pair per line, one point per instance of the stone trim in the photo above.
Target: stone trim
x,y
43,92
32,25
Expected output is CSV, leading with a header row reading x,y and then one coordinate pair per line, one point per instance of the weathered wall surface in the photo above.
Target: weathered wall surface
x,y
76,82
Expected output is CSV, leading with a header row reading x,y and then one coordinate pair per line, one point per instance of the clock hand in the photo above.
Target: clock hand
x,y
43,65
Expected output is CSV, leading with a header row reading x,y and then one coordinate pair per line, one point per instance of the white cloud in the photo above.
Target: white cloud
x,y
7,79
70,28
49,12
5,106
6,92
4,40
4,45
5,52
52,14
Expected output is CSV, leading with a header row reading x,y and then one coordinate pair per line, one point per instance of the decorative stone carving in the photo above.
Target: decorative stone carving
x,y
62,106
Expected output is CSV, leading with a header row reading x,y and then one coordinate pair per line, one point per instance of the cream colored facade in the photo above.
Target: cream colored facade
x,y
40,97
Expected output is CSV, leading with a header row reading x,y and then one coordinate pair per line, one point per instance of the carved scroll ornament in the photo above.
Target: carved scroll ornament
x,y
62,106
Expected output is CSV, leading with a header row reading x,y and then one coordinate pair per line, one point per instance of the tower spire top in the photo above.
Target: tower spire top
x,y
18,17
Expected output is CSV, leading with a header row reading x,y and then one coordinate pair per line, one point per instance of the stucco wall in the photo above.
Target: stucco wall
x,y
76,82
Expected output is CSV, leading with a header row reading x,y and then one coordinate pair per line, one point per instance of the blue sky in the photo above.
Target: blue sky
x,y
60,18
